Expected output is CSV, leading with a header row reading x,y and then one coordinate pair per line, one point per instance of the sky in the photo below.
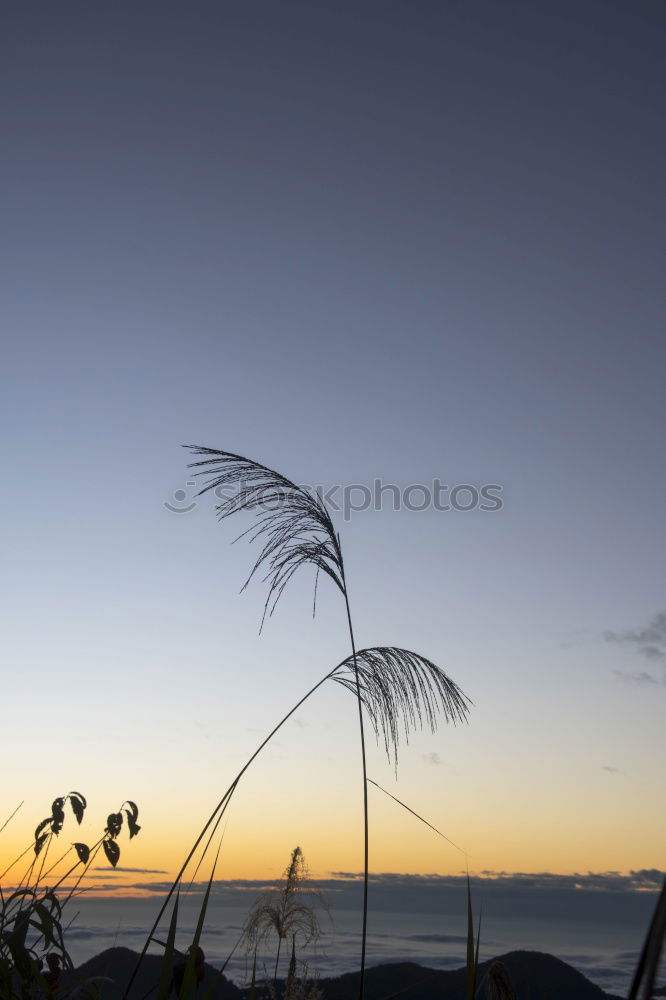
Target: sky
x,y
356,242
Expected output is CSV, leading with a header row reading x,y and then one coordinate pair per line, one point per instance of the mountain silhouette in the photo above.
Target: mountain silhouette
x,y
535,976
111,970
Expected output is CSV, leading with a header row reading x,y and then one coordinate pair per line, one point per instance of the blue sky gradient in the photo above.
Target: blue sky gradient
x,y
357,241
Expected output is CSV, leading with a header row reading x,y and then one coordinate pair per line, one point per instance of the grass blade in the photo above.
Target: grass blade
x,y
253,986
189,977
476,954
648,964
471,971
164,987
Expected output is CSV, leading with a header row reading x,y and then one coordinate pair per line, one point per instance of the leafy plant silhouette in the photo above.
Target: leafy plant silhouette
x,y
31,912
293,528
285,911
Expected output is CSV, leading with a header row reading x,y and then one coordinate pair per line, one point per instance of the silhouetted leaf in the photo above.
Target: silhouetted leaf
x,y
80,796
78,805
20,894
39,843
132,825
42,826
112,851
57,815
133,808
46,925
83,852
51,898
114,823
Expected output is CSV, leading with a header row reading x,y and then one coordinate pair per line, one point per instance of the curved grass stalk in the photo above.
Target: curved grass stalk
x,y
294,527
10,817
425,681
366,837
215,818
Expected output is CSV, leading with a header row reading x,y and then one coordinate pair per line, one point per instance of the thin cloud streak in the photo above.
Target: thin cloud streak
x,y
340,884
135,871
639,678
648,642
651,638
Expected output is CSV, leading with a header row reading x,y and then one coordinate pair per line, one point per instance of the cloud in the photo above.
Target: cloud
x,y
611,770
134,871
653,652
649,642
432,758
636,677
339,884
640,879
437,938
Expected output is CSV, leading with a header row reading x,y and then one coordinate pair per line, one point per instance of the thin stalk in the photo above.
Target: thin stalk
x,y
93,854
221,806
11,816
364,932
203,853
277,959
28,875
56,863
405,806
43,860
16,860
62,879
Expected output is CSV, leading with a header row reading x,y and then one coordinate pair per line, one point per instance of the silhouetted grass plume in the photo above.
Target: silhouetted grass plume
x,y
294,529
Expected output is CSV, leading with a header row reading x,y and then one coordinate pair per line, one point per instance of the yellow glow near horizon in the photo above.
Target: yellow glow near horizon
x,y
510,812
254,848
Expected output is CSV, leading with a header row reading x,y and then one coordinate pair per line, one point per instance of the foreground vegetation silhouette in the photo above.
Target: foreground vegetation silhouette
x,y
33,952
398,688
286,912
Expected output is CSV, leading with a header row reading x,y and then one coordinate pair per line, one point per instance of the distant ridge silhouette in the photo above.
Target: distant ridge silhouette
x,y
535,976
115,966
